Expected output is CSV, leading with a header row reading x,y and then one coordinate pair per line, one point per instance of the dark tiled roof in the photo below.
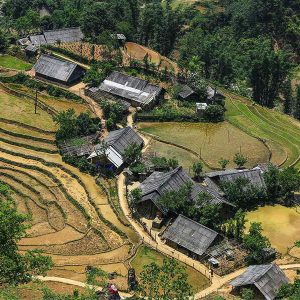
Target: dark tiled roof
x,y
130,88
159,183
186,91
267,278
121,139
191,235
212,93
65,35
38,39
254,176
54,68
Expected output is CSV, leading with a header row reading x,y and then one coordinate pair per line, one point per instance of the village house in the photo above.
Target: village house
x,y
57,70
112,149
51,37
190,237
264,280
159,183
119,86
215,96
187,94
255,176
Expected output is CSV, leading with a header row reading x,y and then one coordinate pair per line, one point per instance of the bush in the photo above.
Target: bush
x,y
214,113
81,163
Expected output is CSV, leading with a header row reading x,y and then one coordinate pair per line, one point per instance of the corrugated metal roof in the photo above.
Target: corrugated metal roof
x,y
65,35
267,278
129,87
191,235
54,68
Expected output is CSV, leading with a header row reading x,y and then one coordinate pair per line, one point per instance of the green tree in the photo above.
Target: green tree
x,y
167,282
16,268
240,159
223,163
133,153
67,124
214,113
3,42
255,242
247,294
297,104
289,181
197,169
289,291
272,181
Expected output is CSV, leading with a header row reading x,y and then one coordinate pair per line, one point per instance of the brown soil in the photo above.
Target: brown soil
x,y
40,229
55,217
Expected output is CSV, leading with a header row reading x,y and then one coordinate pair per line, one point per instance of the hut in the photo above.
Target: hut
x,y
264,280
57,70
119,86
31,50
186,93
37,40
112,149
214,96
201,108
190,237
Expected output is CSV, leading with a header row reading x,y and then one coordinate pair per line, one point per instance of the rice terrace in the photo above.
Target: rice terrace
x,y
149,150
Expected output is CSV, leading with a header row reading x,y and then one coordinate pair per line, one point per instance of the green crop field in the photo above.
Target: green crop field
x,y
11,62
146,256
211,141
281,132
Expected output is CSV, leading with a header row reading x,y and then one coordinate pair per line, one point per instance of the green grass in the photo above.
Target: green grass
x,y
22,110
281,132
280,224
146,256
212,141
11,62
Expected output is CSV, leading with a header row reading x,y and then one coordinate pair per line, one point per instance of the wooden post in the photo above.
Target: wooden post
x,y
35,101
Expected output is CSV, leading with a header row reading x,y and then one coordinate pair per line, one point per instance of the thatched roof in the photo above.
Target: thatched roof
x,y
130,88
267,278
191,235
55,68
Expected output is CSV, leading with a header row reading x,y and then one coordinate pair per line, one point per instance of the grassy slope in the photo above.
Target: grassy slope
x,y
22,110
214,141
281,132
11,62
146,256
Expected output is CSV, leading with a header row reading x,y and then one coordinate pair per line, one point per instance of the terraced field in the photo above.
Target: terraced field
x,y
70,214
280,132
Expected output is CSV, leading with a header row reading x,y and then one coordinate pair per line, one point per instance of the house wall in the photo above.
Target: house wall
x,y
147,209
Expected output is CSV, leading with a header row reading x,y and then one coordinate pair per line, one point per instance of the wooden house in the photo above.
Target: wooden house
x,y
186,93
264,280
57,70
190,237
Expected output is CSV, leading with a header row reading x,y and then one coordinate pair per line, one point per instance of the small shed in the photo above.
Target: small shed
x,y
265,280
31,50
214,96
38,39
64,35
201,108
189,236
58,70
186,93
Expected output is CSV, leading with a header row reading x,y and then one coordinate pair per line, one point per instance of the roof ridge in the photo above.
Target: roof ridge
x,y
269,268
198,223
173,172
131,76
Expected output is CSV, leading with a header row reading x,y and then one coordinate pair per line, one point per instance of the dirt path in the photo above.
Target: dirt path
x,y
75,283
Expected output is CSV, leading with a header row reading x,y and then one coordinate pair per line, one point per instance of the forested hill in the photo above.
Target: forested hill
x,y
251,46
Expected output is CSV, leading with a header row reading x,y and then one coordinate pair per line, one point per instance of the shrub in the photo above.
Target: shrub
x,y
214,113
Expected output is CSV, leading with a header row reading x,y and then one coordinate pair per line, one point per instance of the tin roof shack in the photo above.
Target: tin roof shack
x,y
57,70
190,237
31,50
200,109
113,147
119,86
265,280
253,175
37,40
159,183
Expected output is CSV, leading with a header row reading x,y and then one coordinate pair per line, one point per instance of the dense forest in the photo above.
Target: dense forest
x,y
251,46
